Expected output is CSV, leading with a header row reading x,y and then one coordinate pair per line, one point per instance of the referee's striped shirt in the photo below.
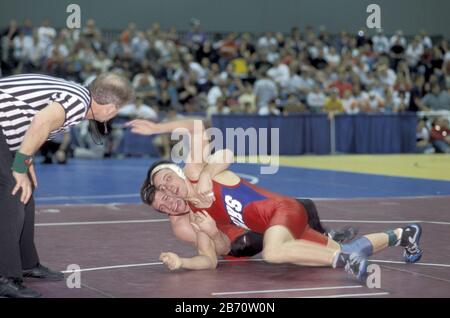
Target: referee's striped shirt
x,y
22,96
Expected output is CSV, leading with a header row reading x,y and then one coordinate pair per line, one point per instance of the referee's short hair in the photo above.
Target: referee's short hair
x,y
111,88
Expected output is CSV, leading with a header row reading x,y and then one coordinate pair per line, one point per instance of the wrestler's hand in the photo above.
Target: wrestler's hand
x,y
202,221
204,188
143,127
171,260
22,182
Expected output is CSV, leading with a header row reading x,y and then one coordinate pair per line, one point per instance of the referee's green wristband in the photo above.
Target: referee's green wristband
x,y
21,163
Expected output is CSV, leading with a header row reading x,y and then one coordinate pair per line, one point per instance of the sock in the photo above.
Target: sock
x,y
393,239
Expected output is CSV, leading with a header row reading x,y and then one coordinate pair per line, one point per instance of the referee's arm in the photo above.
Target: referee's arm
x,y
47,120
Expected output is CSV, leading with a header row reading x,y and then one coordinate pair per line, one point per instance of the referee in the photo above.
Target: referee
x,y
33,108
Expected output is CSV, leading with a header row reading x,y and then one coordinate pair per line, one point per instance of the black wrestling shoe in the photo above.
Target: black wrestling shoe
x,y
354,264
343,235
410,241
13,288
43,272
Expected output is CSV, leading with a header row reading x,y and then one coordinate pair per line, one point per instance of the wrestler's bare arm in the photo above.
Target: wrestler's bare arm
x,y
184,231
206,258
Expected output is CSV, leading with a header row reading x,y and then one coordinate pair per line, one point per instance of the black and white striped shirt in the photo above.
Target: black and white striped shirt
x,y
22,96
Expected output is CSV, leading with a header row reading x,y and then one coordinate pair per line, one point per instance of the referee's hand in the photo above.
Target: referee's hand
x,y
22,182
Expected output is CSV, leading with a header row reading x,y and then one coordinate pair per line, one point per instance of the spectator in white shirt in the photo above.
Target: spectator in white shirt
x,y
102,63
265,89
46,34
414,52
138,110
349,103
301,83
398,38
270,109
266,41
425,40
401,99
386,75
332,57
279,72
216,92
380,42
316,99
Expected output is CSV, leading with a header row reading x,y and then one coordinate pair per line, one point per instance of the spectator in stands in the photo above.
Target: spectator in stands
x,y
195,37
316,100
386,76
423,144
164,103
375,103
138,110
341,84
414,52
293,105
46,35
333,104
101,63
265,90
380,42
279,72
220,108
440,135
417,93
145,87
301,82
139,46
271,109
247,100
437,99
400,99
332,57
349,103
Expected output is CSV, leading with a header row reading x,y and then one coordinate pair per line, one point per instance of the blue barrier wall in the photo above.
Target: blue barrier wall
x,y
310,133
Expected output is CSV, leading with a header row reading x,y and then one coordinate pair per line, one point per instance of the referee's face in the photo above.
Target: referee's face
x,y
104,113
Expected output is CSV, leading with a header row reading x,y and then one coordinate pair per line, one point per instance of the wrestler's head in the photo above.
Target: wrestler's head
x,y
166,203
165,187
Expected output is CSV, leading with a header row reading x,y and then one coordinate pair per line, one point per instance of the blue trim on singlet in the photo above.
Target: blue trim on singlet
x,y
235,199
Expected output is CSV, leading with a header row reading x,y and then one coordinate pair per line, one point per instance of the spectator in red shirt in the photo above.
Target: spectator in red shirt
x,y
342,84
440,135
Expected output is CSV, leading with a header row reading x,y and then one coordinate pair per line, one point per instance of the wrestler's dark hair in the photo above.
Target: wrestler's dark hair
x,y
148,189
313,215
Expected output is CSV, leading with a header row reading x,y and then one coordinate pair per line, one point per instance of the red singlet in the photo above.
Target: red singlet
x,y
255,209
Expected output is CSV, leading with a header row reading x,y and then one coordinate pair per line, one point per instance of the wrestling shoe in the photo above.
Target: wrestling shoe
x,y
343,235
410,241
354,264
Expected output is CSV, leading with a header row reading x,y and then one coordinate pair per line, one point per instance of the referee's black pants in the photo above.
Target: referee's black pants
x,y
17,249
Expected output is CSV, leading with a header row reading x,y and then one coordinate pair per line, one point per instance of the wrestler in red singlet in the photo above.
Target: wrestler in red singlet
x,y
256,209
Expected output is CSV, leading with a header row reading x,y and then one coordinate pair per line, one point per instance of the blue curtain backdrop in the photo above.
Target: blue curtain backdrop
x,y
310,133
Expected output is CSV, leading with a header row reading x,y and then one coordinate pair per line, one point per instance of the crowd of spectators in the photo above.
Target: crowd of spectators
x,y
272,73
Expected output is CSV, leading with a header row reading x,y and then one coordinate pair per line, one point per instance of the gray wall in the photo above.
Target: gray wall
x,y
240,15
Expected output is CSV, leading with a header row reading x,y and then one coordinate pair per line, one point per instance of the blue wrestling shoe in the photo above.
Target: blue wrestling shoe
x,y
354,264
410,241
